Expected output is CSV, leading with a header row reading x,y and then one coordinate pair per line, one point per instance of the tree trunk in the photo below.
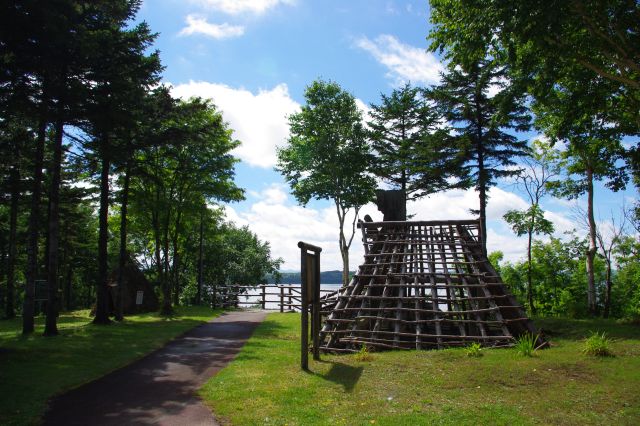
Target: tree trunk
x,y
119,308
13,226
34,216
102,295
344,251
532,307
64,265
176,259
200,260
482,189
51,326
591,252
166,284
607,299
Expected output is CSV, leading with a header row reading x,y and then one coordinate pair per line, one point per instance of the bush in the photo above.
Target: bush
x,y
474,350
364,355
597,345
526,344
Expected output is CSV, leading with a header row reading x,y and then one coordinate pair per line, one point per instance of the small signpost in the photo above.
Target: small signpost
x,y
310,289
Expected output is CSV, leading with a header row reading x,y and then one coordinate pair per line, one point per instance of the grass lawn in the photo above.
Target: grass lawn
x,y
35,368
561,385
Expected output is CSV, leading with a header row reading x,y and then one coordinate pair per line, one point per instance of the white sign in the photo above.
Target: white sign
x,y
139,295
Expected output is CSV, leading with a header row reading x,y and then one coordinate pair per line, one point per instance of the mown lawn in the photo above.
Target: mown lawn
x,y
35,368
561,385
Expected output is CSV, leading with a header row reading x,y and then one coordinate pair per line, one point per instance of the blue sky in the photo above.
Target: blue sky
x,y
254,59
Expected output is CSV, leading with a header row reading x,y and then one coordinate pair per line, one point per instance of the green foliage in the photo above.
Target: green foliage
x,y
596,38
529,221
495,258
327,156
363,354
405,137
598,344
474,350
525,345
481,139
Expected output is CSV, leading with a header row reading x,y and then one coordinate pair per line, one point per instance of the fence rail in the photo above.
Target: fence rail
x,y
284,297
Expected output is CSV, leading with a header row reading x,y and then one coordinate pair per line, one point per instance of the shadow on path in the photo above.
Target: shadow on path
x,y
160,388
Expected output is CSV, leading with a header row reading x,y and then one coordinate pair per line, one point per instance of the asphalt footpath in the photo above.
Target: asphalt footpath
x,y
159,389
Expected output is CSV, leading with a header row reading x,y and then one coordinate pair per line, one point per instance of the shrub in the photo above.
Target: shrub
x,y
526,344
597,345
363,354
474,350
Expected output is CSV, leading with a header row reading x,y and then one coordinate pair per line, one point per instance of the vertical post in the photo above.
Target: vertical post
x,y
263,296
316,308
304,318
281,299
289,303
310,294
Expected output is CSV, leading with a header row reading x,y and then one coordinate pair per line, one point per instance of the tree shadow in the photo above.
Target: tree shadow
x,y
342,374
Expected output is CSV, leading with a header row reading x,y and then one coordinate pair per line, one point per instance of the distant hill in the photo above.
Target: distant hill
x,y
326,277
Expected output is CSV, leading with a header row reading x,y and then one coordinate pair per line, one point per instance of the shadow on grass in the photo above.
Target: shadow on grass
x,y
270,329
342,374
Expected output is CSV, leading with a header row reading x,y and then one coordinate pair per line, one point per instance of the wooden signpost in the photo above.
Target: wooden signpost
x,y
310,289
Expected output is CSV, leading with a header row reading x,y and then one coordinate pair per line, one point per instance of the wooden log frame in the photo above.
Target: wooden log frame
x,y
423,285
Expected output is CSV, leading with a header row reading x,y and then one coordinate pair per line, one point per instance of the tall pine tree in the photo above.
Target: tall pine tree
x,y
405,134
480,123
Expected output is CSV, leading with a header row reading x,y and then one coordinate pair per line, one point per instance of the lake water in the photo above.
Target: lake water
x,y
273,300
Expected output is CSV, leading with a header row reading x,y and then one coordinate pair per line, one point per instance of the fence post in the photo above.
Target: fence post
x,y
263,296
281,299
290,305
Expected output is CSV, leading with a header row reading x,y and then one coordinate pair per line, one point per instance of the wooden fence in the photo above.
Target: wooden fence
x,y
274,297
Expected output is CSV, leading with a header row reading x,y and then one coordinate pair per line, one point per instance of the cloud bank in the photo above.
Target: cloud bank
x,y
259,120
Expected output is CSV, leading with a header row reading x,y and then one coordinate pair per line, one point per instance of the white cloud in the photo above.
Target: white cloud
x,y
199,25
236,7
275,218
405,62
259,120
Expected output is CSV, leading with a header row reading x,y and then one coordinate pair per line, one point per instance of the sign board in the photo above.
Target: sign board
x,y
310,278
139,295
310,297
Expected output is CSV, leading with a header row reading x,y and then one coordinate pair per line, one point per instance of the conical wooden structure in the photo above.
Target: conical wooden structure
x,y
423,285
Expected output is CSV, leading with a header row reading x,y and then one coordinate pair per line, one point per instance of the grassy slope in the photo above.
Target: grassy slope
x,y
264,385
35,368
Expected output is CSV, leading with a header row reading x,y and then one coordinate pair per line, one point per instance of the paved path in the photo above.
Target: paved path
x,y
160,388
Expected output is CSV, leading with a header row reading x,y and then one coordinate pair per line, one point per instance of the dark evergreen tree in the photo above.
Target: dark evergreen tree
x,y
406,136
480,124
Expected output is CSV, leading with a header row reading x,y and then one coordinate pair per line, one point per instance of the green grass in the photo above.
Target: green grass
x,y
35,368
597,345
561,385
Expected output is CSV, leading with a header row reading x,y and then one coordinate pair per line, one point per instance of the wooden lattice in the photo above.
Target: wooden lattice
x,y
423,285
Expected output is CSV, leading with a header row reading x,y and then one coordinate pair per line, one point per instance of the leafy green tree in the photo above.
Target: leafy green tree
x,y
581,117
480,123
189,163
544,42
120,84
552,47
404,135
327,157
626,291
541,167
529,222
